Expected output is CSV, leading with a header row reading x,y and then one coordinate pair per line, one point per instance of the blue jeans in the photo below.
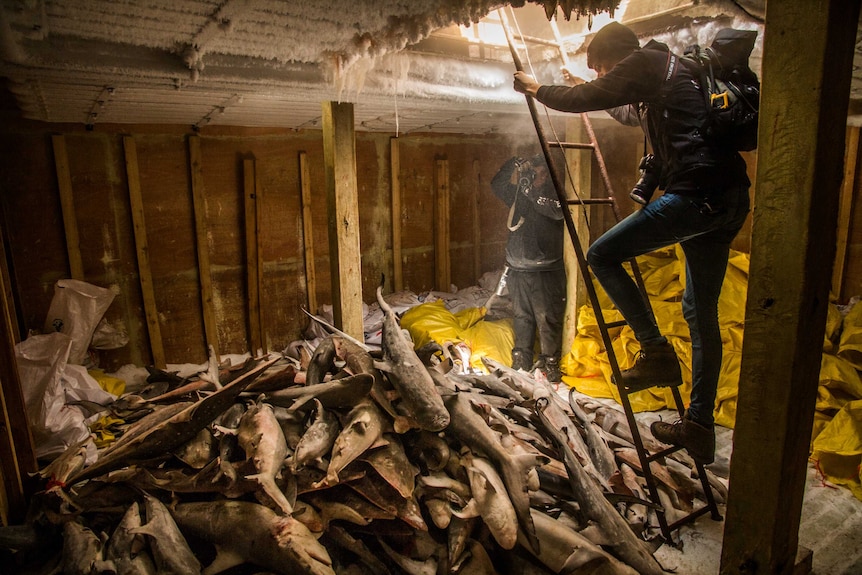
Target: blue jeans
x,y
704,230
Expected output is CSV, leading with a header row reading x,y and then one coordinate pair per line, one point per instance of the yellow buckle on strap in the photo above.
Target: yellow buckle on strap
x,y
723,101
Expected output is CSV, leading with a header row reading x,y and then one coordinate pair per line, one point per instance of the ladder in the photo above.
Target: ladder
x,y
645,458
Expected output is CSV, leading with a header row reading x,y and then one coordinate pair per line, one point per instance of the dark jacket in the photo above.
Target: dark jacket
x,y
671,111
535,240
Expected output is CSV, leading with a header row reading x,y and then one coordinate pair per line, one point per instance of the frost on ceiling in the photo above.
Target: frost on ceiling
x,y
242,62
309,31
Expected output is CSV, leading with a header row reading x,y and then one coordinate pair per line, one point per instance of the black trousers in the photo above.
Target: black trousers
x,y
538,306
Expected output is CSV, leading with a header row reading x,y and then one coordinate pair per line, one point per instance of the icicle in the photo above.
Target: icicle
x,y
396,114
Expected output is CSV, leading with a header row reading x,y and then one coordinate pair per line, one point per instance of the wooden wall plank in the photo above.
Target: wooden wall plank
x,y
442,264
579,163
308,232
792,252
477,222
251,254
163,165
339,151
17,455
259,205
143,253
202,243
67,202
845,209
38,249
395,175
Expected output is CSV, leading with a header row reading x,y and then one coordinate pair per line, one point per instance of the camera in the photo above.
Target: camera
x,y
526,174
648,182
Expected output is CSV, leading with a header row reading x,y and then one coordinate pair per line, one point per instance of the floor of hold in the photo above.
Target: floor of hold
x,y
830,527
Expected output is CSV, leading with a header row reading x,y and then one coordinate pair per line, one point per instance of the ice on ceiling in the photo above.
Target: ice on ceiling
x,y
267,63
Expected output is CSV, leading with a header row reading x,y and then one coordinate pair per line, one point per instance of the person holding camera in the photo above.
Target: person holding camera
x,y
704,205
534,258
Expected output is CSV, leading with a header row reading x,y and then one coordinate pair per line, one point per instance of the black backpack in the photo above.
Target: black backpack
x,y
730,87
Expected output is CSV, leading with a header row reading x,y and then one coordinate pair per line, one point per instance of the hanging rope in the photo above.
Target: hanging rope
x,y
504,21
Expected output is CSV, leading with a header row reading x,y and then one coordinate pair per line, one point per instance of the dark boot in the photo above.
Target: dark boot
x,y
551,368
698,440
655,366
522,360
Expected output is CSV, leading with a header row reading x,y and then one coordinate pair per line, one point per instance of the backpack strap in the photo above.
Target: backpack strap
x,y
671,68
703,72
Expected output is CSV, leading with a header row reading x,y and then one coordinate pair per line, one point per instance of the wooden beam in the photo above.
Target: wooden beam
x,y
845,209
259,205
477,223
339,152
202,244
395,177
442,267
67,204
6,286
142,249
17,454
792,252
579,163
308,232
252,257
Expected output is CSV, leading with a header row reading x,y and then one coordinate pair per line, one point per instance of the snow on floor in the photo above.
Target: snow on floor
x,y
831,525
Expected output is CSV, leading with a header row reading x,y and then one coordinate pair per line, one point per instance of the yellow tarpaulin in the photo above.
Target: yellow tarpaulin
x,y
107,382
587,369
838,448
433,322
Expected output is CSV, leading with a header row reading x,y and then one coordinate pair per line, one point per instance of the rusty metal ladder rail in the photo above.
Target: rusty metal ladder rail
x,y
604,326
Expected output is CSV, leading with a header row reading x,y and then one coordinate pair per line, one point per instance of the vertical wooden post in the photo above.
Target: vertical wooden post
x,y
580,164
143,252
845,208
202,244
441,228
308,232
259,200
17,454
792,251
339,151
252,257
477,224
395,177
67,203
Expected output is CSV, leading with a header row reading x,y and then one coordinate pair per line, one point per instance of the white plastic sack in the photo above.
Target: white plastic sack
x,y
48,383
107,336
76,309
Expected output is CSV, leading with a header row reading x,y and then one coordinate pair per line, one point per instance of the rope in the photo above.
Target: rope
x,y
557,140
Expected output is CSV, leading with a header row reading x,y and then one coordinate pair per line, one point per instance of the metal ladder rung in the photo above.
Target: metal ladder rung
x,y
689,518
590,201
663,453
572,145
534,40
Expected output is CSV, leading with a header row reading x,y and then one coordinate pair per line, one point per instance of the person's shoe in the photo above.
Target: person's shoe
x,y
698,440
655,366
552,368
522,360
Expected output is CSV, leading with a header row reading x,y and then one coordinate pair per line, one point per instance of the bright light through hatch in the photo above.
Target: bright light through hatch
x,y
488,30
487,38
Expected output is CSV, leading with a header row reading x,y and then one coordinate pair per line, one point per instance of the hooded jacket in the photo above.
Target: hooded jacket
x,y
671,110
535,241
